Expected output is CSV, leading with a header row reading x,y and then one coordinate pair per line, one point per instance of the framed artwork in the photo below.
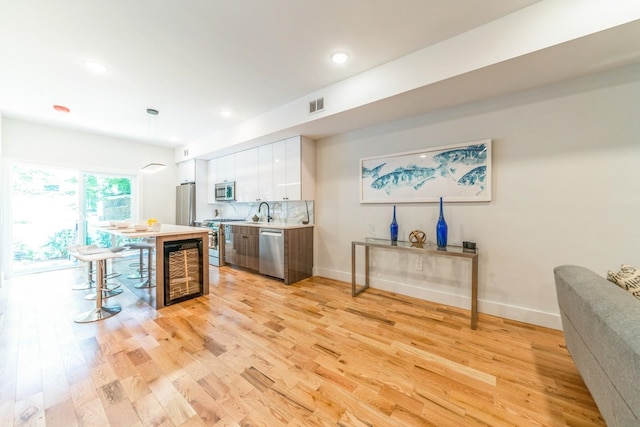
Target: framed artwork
x,y
457,173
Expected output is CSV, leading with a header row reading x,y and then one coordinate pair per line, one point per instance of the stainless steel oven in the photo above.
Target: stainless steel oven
x,y
220,241
216,243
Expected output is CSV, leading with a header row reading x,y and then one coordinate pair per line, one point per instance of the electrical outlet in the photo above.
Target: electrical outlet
x,y
371,229
419,264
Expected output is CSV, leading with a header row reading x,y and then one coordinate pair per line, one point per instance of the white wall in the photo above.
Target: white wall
x,y
520,36
40,144
566,190
33,143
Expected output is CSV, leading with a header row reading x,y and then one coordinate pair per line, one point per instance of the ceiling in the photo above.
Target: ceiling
x,y
192,59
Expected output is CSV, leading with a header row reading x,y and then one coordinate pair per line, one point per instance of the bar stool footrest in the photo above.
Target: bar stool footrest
x,y
146,284
98,314
105,294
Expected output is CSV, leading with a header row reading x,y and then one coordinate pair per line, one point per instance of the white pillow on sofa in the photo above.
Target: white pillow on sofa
x,y
628,278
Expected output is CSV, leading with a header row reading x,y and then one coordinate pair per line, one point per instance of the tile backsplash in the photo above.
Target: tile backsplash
x,y
288,212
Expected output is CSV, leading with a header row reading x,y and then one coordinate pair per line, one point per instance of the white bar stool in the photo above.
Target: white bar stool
x,y
101,311
90,249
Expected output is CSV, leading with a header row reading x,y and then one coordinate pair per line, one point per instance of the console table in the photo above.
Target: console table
x,y
426,249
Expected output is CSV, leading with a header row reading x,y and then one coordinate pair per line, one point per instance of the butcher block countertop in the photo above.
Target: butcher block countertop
x,y
165,230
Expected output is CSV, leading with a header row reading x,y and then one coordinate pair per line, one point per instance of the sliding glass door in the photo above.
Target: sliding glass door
x,y
52,209
106,198
44,214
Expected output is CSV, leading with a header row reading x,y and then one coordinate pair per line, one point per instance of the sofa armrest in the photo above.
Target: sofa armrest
x,y
606,319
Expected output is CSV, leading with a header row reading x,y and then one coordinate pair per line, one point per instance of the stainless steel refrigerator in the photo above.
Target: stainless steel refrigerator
x,y
186,204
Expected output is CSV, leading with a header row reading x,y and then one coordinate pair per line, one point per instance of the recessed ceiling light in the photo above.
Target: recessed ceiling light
x,y
339,57
95,67
61,108
225,113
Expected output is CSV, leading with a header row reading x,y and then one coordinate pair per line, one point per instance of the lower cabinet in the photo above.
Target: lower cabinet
x,y
298,251
245,243
298,254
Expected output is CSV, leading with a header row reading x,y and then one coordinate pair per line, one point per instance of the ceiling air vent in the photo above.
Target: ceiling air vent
x,y
316,105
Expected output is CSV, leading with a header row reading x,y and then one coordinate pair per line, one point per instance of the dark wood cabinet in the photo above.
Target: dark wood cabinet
x,y
298,251
245,243
298,254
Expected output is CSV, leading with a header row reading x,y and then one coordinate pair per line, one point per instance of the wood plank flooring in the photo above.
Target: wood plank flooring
x,y
255,352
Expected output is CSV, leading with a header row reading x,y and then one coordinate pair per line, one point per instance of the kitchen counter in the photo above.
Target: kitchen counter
x,y
165,230
276,225
270,247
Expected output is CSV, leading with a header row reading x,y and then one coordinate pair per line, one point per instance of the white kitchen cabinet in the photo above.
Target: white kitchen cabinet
x,y
221,169
246,175
227,168
187,171
294,169
265,173
279,170
252,180
284,170
241,176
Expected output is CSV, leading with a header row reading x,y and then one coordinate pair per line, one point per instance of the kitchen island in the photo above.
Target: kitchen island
x,y
167,239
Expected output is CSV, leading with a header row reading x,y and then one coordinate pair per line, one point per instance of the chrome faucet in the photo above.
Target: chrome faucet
x,y
260,207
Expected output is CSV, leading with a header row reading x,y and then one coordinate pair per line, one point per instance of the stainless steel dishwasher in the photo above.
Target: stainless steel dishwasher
x,y
272,252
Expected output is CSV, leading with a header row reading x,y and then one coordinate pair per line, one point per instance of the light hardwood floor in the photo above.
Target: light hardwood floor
x,y
255,352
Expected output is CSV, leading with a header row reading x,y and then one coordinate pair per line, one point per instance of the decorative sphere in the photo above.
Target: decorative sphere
x,y
417,236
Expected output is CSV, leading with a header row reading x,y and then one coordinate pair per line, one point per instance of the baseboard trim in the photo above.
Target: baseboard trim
x,y
494,308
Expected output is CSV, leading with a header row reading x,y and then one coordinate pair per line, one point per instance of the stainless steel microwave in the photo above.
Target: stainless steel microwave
x,y
226,191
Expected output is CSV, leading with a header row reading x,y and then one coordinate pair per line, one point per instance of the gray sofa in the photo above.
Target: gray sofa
x,y
601,324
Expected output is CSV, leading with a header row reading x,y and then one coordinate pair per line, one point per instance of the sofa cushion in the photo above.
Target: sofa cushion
x,y
628,278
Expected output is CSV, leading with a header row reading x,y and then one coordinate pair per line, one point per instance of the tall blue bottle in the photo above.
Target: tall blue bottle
x,y
393,228
441,229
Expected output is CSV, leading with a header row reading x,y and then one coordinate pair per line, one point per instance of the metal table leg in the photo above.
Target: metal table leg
x,y
474,293
354,291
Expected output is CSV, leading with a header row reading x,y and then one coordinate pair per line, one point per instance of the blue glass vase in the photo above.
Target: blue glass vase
x,y
441,229
393,228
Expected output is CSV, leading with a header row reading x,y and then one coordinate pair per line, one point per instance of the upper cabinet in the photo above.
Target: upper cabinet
x,y
284,170
192,171
265,173
294,169
187,171
222,169
247,181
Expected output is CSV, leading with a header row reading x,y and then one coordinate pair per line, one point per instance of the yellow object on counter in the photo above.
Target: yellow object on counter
x,y
151,221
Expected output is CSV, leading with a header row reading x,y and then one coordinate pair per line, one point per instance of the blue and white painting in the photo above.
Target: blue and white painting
x,y
458,173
